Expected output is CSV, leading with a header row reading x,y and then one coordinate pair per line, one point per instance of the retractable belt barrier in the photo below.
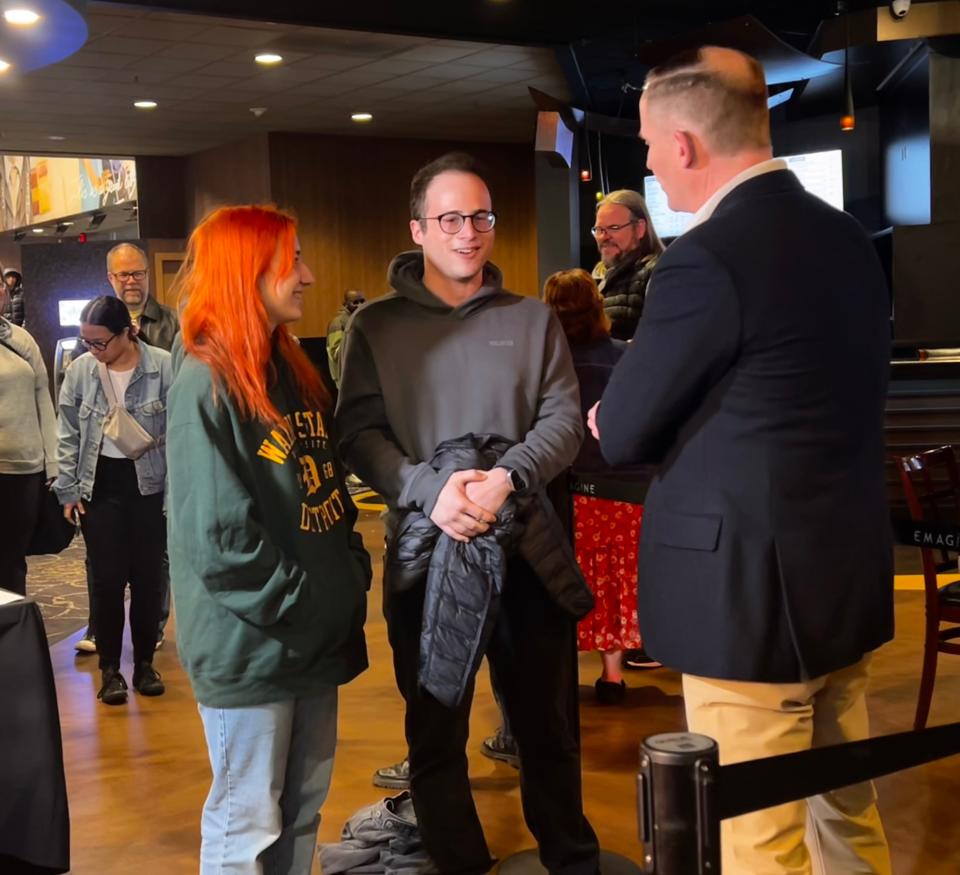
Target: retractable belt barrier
x,y
683,793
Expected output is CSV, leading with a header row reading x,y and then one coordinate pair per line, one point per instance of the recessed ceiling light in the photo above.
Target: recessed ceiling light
x,y
361,117
36,231
145,104
56,137
66,224
21,17
268,59
4,66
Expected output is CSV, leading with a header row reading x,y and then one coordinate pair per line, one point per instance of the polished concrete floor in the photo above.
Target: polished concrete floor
x,y
137,775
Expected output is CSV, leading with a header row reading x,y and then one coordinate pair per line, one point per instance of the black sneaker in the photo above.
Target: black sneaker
x,y
114,689
610,692
395,777
502,748
638,660
146,680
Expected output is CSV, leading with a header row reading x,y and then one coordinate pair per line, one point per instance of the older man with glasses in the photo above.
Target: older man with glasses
x,y
129,277
629,248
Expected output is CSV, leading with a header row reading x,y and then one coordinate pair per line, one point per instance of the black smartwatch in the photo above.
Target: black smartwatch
x,y
516,481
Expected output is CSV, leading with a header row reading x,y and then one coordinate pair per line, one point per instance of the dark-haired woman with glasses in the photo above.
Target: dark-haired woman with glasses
x,y
117,493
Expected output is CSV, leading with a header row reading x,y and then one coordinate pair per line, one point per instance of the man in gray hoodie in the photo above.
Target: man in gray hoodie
x,y
446,354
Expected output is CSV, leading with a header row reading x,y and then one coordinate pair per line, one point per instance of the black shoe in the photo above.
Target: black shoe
x,y
146,680
395,777
501,747
114,689
610,692
638,659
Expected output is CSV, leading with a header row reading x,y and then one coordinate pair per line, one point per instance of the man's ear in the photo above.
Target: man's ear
x,y
416,231
686,148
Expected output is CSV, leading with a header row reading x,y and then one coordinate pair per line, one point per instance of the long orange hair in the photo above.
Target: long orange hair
x,y
223,321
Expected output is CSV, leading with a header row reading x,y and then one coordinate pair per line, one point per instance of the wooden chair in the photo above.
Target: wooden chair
x,y
931,485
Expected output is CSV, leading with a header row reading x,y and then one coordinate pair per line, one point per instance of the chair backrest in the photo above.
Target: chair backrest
x,y
931,485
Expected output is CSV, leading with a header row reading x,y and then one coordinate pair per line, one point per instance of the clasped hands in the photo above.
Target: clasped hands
x,y
468,503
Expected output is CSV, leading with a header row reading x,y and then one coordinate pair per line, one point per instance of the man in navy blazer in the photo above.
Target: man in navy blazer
x,y
756,380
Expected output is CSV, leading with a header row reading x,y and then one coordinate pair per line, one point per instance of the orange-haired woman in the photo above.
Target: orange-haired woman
x,y
606,522
268,574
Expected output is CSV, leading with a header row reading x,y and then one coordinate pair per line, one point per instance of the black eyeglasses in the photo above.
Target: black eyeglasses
x,y
126,275
450,223
98,345
597,230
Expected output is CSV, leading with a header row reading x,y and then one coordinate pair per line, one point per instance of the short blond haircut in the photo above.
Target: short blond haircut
x,y
728,106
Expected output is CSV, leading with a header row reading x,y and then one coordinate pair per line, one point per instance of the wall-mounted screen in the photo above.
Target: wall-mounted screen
x,y
70,311
820,173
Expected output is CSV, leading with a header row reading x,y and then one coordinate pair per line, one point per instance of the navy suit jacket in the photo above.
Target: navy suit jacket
x,y
757,380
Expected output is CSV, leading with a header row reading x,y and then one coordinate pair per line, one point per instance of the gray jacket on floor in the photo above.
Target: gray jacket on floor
x,y
381,839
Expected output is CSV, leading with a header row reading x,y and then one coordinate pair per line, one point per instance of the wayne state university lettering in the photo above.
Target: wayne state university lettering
x,y
301,431
305,426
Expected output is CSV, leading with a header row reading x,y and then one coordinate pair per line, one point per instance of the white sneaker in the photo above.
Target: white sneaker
x,y
87,644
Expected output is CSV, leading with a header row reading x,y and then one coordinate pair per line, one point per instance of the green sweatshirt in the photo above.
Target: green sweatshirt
x,y
268,575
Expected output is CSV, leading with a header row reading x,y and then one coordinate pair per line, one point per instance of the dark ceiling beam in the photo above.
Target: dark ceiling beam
x,y
523,22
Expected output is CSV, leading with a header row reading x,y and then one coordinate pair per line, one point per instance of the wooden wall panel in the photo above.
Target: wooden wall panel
x,y
350,196
238,173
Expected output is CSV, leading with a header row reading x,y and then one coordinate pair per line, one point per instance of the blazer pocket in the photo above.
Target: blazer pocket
x,y
687,531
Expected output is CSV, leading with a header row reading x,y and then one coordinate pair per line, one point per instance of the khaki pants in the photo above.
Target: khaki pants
x,y
837,833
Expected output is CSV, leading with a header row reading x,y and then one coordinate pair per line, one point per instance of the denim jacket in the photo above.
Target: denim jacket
x,y
83,408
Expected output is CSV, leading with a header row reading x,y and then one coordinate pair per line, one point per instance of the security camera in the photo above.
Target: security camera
x,y
899,8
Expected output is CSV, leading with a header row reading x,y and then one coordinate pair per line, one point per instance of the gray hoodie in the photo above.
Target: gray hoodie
x,y
417,372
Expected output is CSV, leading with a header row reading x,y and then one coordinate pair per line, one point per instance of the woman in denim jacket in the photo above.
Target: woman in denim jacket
x,y
119,500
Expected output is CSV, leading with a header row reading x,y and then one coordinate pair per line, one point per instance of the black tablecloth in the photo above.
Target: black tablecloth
x,y
34,824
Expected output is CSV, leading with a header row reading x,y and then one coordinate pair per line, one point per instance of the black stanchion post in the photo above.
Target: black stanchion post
x,y
678,824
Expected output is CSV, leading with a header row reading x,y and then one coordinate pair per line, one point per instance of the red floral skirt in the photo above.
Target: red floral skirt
x,y
606,541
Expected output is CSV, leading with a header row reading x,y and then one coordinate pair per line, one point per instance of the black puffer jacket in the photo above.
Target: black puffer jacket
x,y
624,289
14,306
464,580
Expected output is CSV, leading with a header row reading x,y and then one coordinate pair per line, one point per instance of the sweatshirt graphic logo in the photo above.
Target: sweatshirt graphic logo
x,y
302,436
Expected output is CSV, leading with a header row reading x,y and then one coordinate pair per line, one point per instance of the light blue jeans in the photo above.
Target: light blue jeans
x,y
272,766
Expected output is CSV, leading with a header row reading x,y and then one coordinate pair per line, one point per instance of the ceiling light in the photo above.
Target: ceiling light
x,y
145,104
268,59
56,137
361,117
4,66
37,231
21,17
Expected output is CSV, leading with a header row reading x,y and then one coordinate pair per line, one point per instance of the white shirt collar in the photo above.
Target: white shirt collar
x,y
706,211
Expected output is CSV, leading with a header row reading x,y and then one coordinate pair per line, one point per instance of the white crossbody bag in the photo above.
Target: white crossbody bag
x,y
131,438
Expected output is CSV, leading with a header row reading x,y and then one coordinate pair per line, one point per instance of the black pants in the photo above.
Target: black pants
x,y
126,538
164,598
533,654
20,496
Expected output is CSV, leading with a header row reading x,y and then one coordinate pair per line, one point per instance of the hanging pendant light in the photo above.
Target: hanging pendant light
x,y
848,121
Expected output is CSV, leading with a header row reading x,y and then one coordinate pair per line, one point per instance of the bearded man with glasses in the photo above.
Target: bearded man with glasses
x,y
450,367
129,277
629,248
